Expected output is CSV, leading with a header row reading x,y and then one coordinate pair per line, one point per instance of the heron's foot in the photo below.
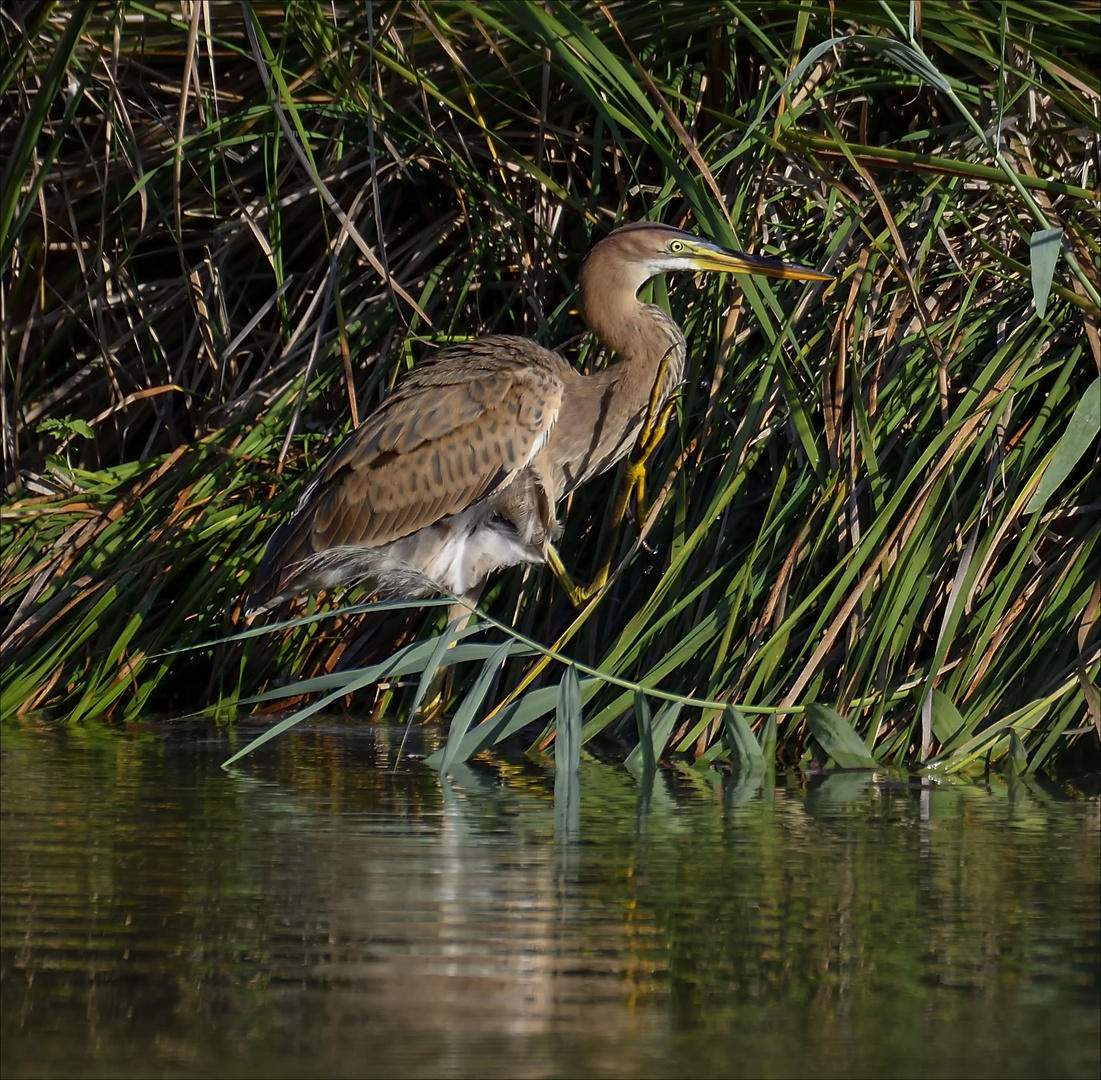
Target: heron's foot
x,y
634,477
579,595
634,483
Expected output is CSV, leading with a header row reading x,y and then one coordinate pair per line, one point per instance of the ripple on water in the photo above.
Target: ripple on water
x,y
321,913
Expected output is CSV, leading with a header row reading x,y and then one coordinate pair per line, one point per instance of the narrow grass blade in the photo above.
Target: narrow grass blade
x,y
410,660
660,728
664,723
567,757
906,56
445,639
1079,437
262,629
1016,761
642,760
276,730
531,707
947,721
836,736
351,682
1044,246
768,739
27,135
454,750
743,746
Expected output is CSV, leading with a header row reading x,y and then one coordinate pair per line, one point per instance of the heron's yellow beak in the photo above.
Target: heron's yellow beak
x,y
703,255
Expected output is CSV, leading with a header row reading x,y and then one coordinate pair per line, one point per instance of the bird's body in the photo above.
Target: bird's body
x,y
457,473
442,484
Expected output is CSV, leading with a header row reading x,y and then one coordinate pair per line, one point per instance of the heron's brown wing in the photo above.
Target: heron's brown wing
x,y
457,429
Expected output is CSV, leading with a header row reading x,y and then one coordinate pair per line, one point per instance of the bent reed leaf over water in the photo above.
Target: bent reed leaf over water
x,y
223,244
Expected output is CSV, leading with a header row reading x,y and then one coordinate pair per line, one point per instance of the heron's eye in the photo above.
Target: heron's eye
x,y
676,247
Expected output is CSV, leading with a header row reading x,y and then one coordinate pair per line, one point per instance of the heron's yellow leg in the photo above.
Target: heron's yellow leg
x,y
579,595
634,482
634,478
653,431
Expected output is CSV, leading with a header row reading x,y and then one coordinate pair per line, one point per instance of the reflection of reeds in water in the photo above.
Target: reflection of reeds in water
x,y
851,511
322,906
466,936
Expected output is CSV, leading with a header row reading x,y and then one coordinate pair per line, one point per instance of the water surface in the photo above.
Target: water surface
x,y
320,912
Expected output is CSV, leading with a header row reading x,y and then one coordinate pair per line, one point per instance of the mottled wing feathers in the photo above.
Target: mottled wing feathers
x,y
456,429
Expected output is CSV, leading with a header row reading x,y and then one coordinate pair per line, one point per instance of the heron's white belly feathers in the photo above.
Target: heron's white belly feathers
x,y
456,554
467,558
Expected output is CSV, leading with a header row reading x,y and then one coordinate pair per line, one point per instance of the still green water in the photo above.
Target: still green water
x,y
321,913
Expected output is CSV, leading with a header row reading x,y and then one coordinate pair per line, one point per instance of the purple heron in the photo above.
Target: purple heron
x,y
457,474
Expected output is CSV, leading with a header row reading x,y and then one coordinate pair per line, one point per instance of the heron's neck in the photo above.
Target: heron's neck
x,y
641,334
605,411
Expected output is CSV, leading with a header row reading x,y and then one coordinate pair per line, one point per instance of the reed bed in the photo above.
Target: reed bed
x,y
228,229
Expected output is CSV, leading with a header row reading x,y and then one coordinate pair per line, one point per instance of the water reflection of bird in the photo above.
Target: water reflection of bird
x,y
457,474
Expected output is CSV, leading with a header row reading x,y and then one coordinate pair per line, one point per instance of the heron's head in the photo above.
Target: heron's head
x,y
630,256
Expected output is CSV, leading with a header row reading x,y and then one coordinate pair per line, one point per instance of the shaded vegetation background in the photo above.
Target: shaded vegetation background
x,y
227,230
